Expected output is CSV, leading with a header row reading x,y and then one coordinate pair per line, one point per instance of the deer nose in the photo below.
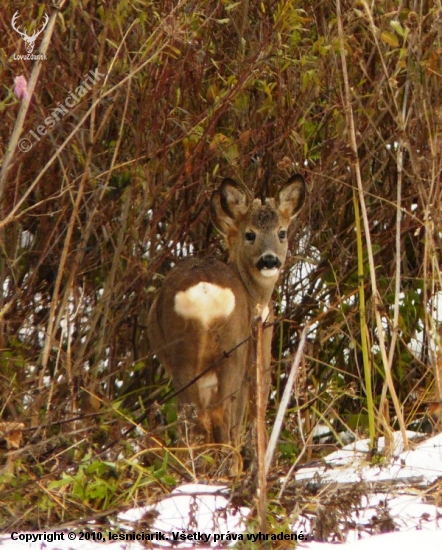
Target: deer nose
x,y
269,261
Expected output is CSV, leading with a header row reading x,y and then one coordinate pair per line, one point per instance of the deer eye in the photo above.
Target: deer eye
x,y
282,234
250,236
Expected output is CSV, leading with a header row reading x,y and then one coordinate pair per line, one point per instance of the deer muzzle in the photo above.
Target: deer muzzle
x,y
269,265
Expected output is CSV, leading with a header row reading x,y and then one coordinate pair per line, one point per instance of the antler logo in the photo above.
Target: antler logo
x,y
29,40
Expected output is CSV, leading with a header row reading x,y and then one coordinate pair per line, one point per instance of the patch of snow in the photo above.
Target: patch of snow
x,y
348,464
193,511
8,543
405,540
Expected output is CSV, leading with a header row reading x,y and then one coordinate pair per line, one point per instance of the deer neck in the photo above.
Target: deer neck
x,y
258,288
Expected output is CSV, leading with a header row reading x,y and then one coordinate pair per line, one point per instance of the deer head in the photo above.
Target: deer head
x,y
29,40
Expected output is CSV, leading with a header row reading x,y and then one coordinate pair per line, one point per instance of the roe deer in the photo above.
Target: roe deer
x,y
200,324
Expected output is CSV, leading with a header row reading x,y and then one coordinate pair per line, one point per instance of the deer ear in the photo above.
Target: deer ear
x,y
235,198
228,204
219,219
291,196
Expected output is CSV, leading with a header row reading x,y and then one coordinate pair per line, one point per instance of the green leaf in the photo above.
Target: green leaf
x,y
390,39
398,28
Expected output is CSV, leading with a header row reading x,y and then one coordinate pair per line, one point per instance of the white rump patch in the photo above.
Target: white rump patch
x,y
270,272
207,388
205,302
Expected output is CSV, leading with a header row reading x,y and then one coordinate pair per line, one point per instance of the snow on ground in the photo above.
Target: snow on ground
x,y
407,476
194,508
201,516
403,540
422,464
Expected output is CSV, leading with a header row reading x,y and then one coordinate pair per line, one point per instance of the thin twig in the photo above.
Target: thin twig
x,y
285,399
261,428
